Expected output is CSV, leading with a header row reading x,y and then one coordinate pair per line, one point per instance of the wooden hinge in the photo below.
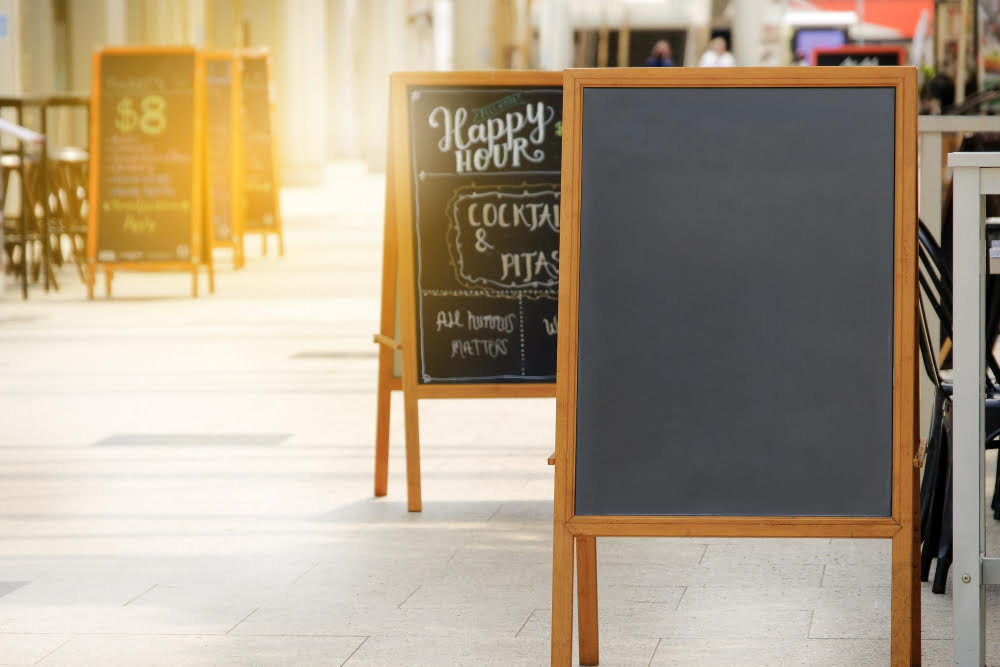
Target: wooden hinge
x,y
918,460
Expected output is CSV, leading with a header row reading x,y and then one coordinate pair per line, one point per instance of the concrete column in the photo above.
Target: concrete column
x,y
555,35
473,38
343,81
381,42
300,71
748,20
444,35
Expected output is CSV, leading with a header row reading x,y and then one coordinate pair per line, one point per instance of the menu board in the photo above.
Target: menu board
x,y
258,145
860,56
485,171
145,158
219,96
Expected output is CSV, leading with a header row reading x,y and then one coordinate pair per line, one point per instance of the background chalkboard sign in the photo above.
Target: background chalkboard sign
x,y
485,187
259,180
223,196
737,310
859,55
146,187
146,196
219,148
470,258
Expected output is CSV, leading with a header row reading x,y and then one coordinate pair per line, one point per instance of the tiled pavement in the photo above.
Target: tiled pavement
x,y
188,482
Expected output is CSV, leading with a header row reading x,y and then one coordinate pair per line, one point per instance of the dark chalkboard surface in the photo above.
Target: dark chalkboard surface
x,y
146,157
736,302
258,145
219,98
485,169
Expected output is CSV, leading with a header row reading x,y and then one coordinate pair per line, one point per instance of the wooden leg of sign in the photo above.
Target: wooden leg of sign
x,y
905,599
562,595
906,570
240,256
263,244
108,274
211,278
414,502
586,598
906,544
194,282
90,281
382,408
281,244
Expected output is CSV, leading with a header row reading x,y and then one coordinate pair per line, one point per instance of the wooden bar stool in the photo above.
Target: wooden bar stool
x,y
16,243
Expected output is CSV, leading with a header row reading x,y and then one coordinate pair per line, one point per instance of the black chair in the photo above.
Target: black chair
x,y
934,278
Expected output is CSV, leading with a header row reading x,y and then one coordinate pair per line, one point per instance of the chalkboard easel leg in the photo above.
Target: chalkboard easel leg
x,y
586,598
90,282
194,282
414,502
108,274
211,278
281,244
562,595
906,587
383,406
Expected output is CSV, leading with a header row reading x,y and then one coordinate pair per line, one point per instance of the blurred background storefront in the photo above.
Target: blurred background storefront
x,y
332,57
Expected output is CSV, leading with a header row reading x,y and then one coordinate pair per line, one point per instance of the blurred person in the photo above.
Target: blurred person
x,y
717,55
660,55
938,95
801,59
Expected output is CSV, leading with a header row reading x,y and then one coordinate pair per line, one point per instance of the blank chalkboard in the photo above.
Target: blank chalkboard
x,y
485,170
735,332
145,157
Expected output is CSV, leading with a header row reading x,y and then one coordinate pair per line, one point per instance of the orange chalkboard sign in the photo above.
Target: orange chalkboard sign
x,y
147,136
260,184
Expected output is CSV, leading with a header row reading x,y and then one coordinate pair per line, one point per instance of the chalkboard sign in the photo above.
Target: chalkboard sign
x,y
859,55
737,313
223,200
470,269
147,198
259,180
147,143
484,163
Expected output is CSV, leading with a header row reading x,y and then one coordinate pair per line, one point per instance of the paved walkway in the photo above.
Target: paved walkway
x,y
188,482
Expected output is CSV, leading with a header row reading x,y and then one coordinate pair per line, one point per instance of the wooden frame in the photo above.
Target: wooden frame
x,y
858,48
236,159
901,526
398,280
278,229
201,246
